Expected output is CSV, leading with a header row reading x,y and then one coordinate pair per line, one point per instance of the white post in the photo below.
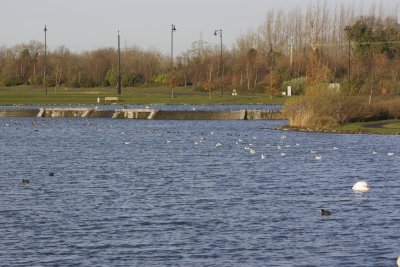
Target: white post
x,y
289,90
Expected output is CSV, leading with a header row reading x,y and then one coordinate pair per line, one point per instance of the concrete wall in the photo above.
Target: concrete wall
x,y
139,114
145,114
264,115
97,113
199,115
67,112
19,112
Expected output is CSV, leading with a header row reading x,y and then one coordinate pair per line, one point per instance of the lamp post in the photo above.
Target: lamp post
x,y
219,32
45,58
173,29
119,66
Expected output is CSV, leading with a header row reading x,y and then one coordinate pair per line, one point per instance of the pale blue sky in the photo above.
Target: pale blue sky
x,y
90,24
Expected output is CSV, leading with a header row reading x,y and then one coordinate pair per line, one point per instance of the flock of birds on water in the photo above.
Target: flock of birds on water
x,y
359,187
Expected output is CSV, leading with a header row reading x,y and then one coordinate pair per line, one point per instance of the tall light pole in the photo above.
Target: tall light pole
x,y
45,58
119,65
173,29
219,32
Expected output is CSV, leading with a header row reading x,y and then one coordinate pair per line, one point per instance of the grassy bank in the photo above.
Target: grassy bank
x,y
27,95
372,127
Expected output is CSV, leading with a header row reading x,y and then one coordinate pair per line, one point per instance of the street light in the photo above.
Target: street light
x,y
173,29
45,58
119,66
219,32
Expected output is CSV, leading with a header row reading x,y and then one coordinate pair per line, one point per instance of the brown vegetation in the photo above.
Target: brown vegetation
x,y
294,47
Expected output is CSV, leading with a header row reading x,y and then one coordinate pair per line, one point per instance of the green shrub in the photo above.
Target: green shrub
x,y
34,80
13,80
131,79
298,85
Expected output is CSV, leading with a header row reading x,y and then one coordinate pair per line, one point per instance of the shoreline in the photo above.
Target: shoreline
x,y
150,114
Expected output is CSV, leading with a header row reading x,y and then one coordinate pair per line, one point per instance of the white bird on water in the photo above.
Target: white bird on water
x,y
318,157
218,144
360,186
263,156
252,151
390,154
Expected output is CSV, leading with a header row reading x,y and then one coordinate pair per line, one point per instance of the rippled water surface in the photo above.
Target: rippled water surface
x,y
194,193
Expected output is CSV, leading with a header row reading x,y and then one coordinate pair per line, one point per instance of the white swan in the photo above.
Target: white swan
x,y
360,186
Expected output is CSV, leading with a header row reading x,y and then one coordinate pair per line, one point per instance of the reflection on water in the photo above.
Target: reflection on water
x,y
161,193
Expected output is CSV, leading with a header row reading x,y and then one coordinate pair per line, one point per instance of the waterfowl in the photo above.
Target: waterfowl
x,y
325,212
360,186
51,173
25,181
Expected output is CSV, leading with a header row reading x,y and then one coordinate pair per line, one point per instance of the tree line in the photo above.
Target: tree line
x,y
294,47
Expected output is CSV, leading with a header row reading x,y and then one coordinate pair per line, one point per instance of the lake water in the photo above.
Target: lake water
x,y
191,193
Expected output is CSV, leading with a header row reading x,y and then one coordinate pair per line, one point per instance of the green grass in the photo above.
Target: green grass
x,y
28,95
372,127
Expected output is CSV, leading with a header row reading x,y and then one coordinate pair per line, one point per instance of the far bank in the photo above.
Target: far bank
x,y
30,95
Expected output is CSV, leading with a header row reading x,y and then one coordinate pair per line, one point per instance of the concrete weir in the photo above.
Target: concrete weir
x,y
145,114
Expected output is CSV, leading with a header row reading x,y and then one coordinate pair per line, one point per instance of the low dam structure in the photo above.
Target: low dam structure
x,y
145,114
